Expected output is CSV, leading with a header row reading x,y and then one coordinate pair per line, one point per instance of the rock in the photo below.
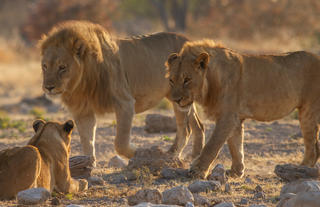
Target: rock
x,y
204,186
155,159
218,173
257,205
173,173
33,196
200,200
177,196
225,204
248,180
153,205
74,205
145,195
300,186
305,199
244,201
258,188
55,201
156,123
80,166
227,188
259,195
290,172
189,204
94,180
117,162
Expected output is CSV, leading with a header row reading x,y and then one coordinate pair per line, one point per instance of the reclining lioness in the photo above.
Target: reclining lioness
x,y
233,87
44,162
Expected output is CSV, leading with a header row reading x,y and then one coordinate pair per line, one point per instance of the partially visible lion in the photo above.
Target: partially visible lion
x,y
44,162
233,87
94,74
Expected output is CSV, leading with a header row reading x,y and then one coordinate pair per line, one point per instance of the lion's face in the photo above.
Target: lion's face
x,y
186,76
60,71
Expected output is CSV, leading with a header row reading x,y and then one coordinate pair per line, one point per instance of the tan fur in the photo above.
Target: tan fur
x,y
105,75
233,87
44,162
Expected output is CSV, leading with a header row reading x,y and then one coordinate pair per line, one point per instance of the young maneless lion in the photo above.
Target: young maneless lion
x,y
94,74
233,87
44,162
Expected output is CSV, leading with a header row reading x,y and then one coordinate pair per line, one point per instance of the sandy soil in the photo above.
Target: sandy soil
x,y
266,145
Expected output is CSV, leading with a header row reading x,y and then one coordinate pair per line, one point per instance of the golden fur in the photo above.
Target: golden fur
x,y
95,74
44,162
233,87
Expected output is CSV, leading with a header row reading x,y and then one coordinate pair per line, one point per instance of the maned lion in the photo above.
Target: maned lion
x,y
44,162
233,87
94,74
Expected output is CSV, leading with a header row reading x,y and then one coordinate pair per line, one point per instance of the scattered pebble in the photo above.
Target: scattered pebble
x,y
218,173
248,180
117,162
244,201
225,204
204,186
94,180
33,196
258,188
179,195
259,195
200,200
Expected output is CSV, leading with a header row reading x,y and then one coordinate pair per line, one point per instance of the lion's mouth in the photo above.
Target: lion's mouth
x,y
185,107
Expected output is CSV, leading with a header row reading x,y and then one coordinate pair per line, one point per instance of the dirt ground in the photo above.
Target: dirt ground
x,y
265,145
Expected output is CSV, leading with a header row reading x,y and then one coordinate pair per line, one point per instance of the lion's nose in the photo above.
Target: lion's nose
x,y
178,99
49,88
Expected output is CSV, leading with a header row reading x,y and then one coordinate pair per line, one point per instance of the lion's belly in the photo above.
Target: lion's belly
x,y
272,99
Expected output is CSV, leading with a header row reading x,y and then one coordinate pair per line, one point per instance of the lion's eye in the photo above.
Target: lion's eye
x,y
62,69
171,82
44,67
186,81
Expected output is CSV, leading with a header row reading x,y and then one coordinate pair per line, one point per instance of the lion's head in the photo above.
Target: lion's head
x,y
52,137
186,77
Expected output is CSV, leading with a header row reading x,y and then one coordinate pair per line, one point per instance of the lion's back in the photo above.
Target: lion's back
x,y
13,162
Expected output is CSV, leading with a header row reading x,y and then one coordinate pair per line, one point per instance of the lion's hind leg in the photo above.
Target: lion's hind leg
x,y
20,167
309,123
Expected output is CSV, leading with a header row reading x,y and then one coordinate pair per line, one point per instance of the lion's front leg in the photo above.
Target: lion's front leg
x,y
124,116
86,125
235,144
183,132
224,128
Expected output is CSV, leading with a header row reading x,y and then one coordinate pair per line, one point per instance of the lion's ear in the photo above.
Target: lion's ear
x,y
68,126
79,48
171,58
37,123
202,61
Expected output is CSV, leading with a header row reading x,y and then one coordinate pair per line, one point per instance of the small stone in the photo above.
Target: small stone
x,y
225,204
204,186
259,195
248,180
117,162
179,195
173,173
244,201
200,200
145,195
258,188
74,205
258,205
189,204
55,201
218,173
227,188
300,186
33,196
94,180
305,199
